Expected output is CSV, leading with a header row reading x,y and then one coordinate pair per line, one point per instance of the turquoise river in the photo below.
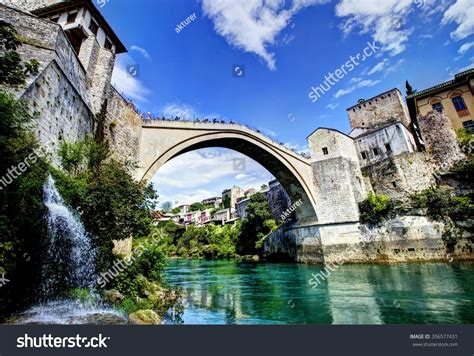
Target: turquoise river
x,y
232,292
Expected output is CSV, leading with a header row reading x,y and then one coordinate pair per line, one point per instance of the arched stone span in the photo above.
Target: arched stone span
x,y
162,141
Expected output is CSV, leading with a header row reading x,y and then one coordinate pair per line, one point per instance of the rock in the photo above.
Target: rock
x,y
144,317
113,296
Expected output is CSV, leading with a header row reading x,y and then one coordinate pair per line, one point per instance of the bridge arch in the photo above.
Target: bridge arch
x,y
162,141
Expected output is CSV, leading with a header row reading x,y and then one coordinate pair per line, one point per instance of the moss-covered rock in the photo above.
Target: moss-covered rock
x,y
144,317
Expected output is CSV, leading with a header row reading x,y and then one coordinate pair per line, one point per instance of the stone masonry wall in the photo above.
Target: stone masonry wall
x,y
400,176
403,239
440,140
29,5
45,41
122,128
377,112
59,111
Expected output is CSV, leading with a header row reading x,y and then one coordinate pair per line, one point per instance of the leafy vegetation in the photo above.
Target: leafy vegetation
x,y
23,173
376,209
257,225
13,71
442,205
216,242
95,183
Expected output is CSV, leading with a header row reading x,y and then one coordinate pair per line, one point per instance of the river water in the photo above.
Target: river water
x,y
232,292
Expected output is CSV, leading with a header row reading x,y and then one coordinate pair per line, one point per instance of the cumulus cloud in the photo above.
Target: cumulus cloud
x,y
385,20
125,82
205,173
362,84
183,111
253,25
462,14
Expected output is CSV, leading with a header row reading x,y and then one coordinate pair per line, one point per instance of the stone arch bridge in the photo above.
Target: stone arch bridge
x,y
328,184
163,140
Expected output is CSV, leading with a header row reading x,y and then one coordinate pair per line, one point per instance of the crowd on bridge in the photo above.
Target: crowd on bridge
x,y
148,116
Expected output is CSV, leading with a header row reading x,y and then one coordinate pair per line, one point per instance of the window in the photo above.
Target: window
x,y
71,17
54,18
388,147
93,27
107,44
468,125
460,106
376,151
325,151
364,154
438,107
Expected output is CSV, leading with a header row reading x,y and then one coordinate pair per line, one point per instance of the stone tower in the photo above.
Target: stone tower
x,y
379,111
338,182
92,38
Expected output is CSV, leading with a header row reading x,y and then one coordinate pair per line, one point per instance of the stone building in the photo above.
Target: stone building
x,y
72,95
230,198
278,199
378,111
454,98
215,202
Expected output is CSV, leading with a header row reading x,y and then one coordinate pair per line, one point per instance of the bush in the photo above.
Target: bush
x,y
376,209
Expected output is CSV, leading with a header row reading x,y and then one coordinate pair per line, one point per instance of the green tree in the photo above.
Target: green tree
x,y
197,207
255,227
108,187
166,207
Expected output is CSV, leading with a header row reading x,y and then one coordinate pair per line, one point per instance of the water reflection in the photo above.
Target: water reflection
x,y
231,292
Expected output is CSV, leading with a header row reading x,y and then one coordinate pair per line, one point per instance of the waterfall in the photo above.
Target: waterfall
x,y
70,256
69,262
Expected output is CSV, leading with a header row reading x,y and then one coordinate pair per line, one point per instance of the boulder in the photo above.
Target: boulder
x,y
144,317
113,296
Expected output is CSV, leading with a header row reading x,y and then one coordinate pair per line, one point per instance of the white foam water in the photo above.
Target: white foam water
x,y
69,262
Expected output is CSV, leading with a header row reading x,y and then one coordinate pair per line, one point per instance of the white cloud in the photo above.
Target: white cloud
x,y
205,173
363,84
296,147
461,13
182,111
267,132
253,25
128,85
465,48
355,80
332,106
142,51
385,20
379,67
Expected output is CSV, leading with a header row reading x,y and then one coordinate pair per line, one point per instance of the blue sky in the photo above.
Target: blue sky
x,y
286,47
